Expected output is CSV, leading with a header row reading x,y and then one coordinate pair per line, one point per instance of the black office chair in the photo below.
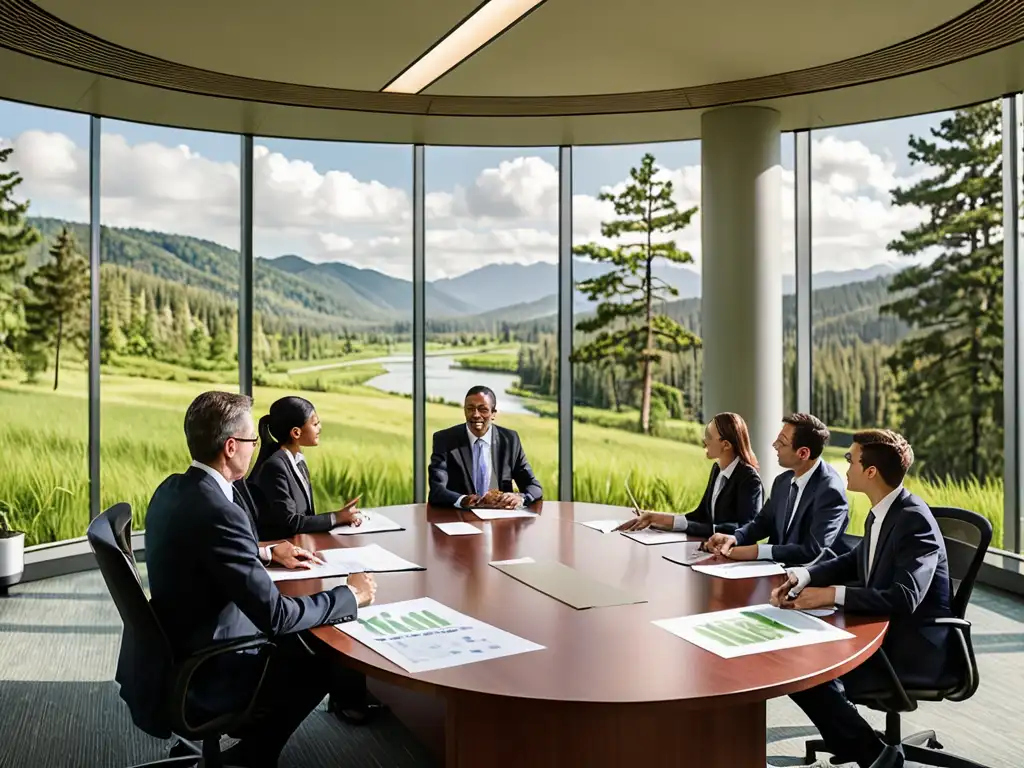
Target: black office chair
x,y
110,538
967,536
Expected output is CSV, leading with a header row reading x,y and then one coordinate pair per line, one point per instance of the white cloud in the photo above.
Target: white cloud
x,y
508,213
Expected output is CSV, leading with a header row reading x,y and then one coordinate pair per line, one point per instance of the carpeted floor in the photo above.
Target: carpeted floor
x,y
59,706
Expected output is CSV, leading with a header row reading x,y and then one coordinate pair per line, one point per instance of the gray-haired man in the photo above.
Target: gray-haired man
x,y
209,583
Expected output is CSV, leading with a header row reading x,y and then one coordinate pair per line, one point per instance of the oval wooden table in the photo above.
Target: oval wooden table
x,y
610,688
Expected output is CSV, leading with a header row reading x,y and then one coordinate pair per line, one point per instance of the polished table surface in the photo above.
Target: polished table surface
x,y
611,655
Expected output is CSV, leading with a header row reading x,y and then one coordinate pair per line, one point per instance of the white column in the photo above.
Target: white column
x,y
741,270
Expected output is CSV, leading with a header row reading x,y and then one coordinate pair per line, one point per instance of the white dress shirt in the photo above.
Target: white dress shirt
x,y
764,551
881,509
679,522
229,493
486,456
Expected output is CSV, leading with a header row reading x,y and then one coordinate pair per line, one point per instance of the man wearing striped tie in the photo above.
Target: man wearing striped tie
x,y
899,570
476,463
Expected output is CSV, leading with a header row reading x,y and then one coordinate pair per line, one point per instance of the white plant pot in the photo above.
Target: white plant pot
x,y
12,559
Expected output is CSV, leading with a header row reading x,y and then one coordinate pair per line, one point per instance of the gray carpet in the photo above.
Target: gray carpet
x,y
58,707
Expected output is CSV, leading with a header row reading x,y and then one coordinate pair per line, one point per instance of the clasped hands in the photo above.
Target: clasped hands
x,y
808,599
493,501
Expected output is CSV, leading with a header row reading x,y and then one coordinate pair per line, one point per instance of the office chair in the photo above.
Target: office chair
x,y
967,536
110,538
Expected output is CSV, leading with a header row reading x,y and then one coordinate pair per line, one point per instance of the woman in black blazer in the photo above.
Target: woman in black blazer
x,y
734,493
287,508
282,475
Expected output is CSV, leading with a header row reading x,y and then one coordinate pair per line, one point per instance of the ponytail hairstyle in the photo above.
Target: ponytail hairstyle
x,y
275,428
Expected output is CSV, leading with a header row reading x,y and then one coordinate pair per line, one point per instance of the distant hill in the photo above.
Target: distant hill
x,y
336,295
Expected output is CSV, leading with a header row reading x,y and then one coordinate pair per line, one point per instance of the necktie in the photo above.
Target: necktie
x,y
304,471
794,490
480,475
872,540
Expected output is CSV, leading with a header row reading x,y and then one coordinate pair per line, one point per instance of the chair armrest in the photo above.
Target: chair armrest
x,y
948,621
961,629
185,669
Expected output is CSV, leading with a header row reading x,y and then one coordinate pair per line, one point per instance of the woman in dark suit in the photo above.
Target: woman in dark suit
x,y
287,508
282,475
734,493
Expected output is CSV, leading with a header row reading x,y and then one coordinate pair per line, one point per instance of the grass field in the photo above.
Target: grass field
x,y
366,449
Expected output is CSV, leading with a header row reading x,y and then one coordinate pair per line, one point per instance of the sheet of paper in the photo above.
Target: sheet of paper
x,y
516,561
342,561
604,526
501,514
457,529
373,522
749,569
567,585
756,629
422,635
654,536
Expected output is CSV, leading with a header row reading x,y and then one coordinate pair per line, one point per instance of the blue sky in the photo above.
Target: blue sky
x,y
349,202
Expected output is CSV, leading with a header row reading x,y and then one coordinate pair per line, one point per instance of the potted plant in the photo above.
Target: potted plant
x,y
12,554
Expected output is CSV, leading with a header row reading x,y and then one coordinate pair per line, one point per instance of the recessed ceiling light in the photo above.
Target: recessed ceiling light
x,y
479,28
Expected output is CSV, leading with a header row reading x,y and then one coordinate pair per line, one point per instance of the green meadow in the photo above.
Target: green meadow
x,y
366,449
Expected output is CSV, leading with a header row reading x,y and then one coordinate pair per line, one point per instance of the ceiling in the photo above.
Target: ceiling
x,y
571,72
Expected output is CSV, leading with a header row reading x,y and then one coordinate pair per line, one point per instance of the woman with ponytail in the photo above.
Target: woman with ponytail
x,y
283,477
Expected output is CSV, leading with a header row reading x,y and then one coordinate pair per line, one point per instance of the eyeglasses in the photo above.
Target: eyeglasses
x,y
848,457
252,440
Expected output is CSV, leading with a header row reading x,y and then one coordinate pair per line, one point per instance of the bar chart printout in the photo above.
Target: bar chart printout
x,y
422,635
756,629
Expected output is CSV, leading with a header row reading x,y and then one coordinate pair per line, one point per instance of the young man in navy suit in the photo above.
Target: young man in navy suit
x,y
898,570
807,509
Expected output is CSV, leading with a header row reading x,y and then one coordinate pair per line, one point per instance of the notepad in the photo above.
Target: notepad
x,y
457,529
345,560
373,522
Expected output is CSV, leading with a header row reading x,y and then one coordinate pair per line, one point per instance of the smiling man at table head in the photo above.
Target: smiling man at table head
x,y
898,570
807,510
209,584
470,459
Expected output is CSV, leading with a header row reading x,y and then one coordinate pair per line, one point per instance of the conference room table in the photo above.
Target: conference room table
x,y
610,688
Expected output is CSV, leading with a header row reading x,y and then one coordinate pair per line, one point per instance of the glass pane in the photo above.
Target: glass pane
x,y
44,322
169,296
492,292
908,334
789,383
333,308
619,433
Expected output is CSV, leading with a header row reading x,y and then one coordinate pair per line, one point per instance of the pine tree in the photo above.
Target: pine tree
x,y
16,237
58,308
629,330
950,370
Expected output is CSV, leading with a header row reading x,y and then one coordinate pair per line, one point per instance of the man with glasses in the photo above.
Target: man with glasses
x,y
474,464
209,584
807,510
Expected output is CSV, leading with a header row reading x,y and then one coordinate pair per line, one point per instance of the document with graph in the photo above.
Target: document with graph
x,y
757,629
422,635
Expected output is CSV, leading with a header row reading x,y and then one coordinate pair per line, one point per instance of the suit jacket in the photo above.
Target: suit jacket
x,y
451,465
909,582
207,585
818,520
740,499
285,509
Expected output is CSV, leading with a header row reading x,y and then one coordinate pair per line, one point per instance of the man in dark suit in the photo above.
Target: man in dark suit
x,y
807,510
471,459
899,570
209,583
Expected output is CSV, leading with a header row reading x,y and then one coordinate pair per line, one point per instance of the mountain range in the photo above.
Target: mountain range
x,y
334,294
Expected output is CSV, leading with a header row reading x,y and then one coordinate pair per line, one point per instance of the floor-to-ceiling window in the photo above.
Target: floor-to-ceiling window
x,y
492,291
333,307
788,199
638,410
170,208
44,321
908,297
